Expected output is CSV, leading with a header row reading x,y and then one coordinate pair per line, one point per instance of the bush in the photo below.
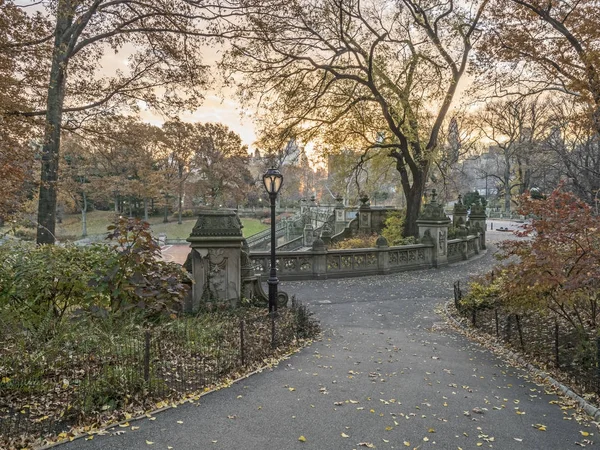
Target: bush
x,y
40,285
134,277
358,241
393,225
392,231
484,293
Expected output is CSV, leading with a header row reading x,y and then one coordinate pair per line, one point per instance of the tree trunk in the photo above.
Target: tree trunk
x,y
413,207
116,203
54,111
145,209
84,216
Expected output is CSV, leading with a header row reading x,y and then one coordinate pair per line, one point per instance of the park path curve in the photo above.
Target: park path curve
x,y
388,374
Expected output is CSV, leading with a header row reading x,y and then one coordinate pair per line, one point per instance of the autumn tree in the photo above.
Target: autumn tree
x,y
18,135
545,45
320,66
221,164
182,142
558,267
162,43
516,128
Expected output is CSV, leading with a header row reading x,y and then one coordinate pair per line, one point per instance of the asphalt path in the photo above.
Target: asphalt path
x,y
389,373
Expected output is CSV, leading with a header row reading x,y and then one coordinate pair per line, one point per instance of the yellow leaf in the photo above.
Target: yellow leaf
x,y
584,433
425,439
124,425
344,435
149,442
302,439
431,430
291,389
406,444
89,438
389,428
479,444
180,421
152,418
135,428
5,379
372,410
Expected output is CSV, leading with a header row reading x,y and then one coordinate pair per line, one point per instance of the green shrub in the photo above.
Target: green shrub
x,y
134,277
392,230
484,293
40,285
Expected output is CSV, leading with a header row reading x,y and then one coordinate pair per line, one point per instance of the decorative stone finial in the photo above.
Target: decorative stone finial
x,y
433,196
381,242
318,245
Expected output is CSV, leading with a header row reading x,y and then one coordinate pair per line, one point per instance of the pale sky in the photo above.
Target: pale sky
x,y
220,105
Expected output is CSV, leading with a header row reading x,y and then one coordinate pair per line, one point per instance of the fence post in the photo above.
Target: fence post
x,y
519,329
242,355
147,356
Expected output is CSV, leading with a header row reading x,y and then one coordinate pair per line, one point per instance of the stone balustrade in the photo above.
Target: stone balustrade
x,y
320,263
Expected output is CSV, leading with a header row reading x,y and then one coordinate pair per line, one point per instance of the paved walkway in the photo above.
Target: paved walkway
x,y
387,373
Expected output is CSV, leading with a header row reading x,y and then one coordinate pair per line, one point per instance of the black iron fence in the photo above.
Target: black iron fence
x,y
82,381
548,338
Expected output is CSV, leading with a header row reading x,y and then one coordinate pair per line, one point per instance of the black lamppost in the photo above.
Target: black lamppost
x,y
273,180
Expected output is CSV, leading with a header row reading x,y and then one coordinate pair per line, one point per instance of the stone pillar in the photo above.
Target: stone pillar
x,y
433,227
340,215
383,257
319,259
459,215
309,235
364,215
477,220
326,234
216,241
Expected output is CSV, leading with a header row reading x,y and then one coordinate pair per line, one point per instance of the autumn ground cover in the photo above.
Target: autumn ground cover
x,y
92,335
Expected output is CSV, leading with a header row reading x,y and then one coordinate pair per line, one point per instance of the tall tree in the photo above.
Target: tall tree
x,y
221,162
516,128
163,69
546,45
181,142
17,134
374,69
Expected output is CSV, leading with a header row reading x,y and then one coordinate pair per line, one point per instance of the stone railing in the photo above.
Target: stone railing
x,y
322,264
463,248
292,244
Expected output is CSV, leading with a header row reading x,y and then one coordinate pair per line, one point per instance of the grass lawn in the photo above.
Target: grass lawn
x,y
97,221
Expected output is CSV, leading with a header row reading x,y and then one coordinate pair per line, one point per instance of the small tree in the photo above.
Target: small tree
x,y
558,267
